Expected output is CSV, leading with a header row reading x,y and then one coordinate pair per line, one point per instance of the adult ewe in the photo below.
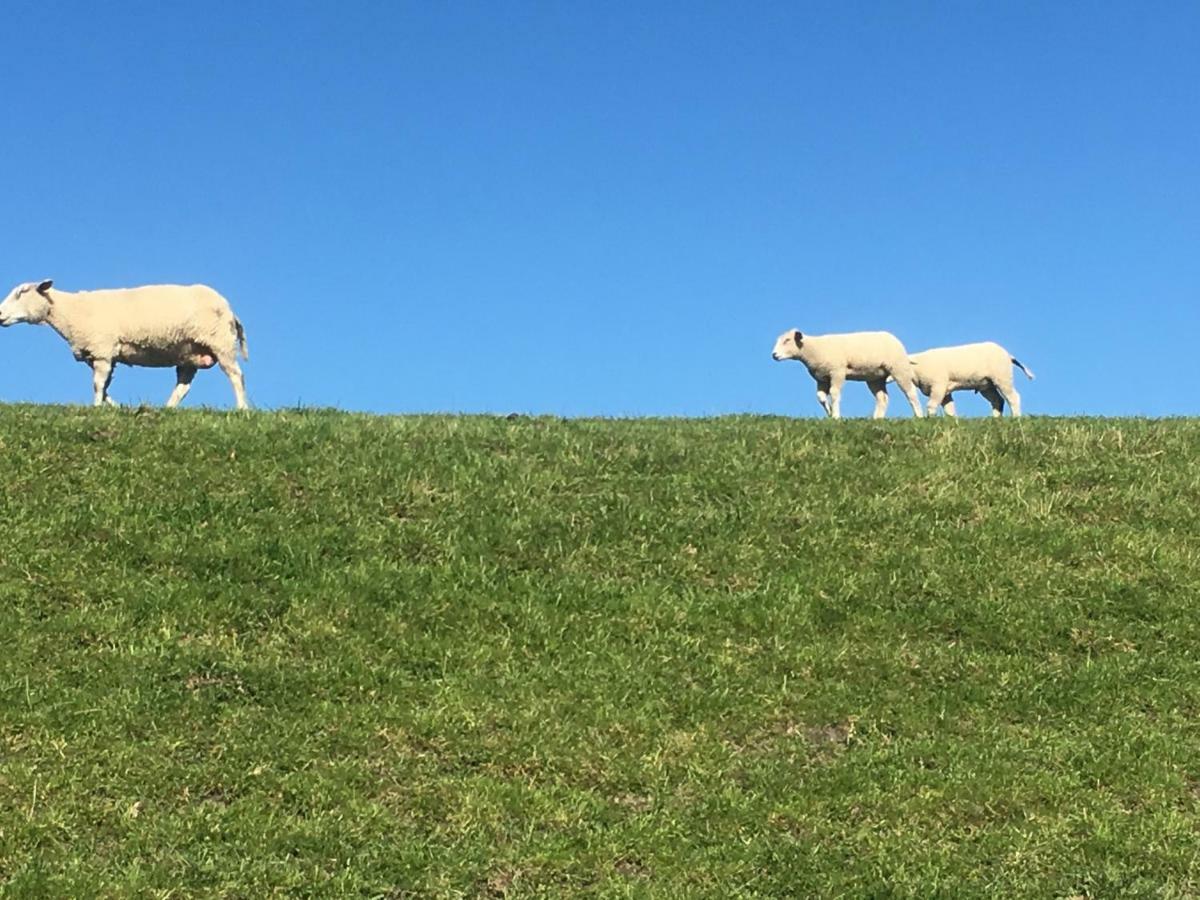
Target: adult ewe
x,y
834,359
984,367
189,328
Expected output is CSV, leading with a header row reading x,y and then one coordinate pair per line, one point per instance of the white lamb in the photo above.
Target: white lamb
x,y
189,328
833,359
984,367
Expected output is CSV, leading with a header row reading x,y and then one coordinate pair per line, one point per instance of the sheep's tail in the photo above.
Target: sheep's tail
x,y
890,379
241,338
1020,365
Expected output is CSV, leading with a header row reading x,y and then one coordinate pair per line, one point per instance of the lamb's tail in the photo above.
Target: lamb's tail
x,y
241,338
890,379
1020,365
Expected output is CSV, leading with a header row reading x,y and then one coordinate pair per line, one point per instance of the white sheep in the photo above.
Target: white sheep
x,y
833,359
189,328
984,367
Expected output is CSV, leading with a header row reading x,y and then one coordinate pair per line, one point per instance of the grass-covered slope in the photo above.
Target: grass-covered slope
x,y
334,655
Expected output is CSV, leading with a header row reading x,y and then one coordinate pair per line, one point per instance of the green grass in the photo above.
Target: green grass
x,y
319,654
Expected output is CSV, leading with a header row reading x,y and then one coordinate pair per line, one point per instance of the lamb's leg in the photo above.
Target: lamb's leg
x,y
183,383
101,379
230,367
823,396
904,380
1009,393
836,381
937,398
879,389
993,397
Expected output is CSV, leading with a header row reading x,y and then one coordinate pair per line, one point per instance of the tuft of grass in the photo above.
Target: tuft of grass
x,y
327,654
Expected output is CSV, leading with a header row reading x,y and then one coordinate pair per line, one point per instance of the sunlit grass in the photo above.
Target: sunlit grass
x,y
333,655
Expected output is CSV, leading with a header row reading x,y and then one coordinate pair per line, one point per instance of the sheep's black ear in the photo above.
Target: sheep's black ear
x,y
45,285
797,337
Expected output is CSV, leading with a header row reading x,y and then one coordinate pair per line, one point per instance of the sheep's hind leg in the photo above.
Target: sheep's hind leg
x,y
993,397
904,381
1009,393
231,368
102,372
183,383
879,389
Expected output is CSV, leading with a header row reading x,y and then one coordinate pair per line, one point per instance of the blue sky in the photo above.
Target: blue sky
x,y
613,209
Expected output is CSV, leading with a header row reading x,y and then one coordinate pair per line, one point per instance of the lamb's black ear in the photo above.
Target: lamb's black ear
x,y
44,286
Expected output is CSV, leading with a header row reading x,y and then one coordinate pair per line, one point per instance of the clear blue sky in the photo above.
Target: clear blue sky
x,y
613,209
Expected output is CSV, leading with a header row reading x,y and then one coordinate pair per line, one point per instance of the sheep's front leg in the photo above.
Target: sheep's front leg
x,y
938,395
823,395
101,379
948,405
879,389
183,383
836,381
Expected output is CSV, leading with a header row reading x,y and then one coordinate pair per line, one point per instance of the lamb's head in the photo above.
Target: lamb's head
x,y
29,302
788,346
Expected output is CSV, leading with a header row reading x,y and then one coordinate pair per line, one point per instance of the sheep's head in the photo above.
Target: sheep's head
x,y
788,345
29,302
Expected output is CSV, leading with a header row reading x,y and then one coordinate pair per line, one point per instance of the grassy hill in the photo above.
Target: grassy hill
x,y
336,655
